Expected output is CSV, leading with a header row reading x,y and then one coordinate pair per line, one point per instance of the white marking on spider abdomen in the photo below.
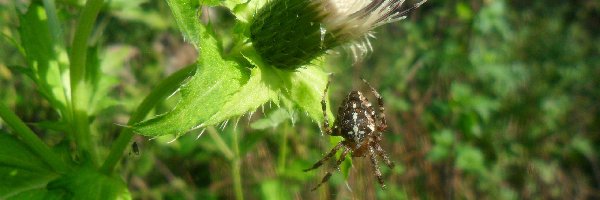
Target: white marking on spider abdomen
x,y
371,127
355,131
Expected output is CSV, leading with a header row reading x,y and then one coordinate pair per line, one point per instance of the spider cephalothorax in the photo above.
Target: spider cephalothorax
x,y
361,127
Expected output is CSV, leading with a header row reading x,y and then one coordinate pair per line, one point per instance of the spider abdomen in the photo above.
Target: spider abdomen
x,y
356,117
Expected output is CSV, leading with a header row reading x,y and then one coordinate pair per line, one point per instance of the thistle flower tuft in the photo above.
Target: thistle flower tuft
x,y
291,33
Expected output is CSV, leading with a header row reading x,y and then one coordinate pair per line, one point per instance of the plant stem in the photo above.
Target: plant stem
x,y
80,124
236,168
283,152
220,143
234,158
32,140
159,93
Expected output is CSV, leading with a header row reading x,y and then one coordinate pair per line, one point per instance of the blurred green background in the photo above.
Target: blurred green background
x,y
484,98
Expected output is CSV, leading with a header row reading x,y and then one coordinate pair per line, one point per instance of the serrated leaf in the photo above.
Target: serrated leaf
x,y
215,81
20,169
186,16
222,88
301,89
252,94
201,97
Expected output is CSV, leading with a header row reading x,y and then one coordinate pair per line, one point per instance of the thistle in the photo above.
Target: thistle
x,y
290,33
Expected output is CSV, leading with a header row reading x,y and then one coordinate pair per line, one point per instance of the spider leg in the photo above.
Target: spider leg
x,y
382,122
326,127
384,155
337,167
376,166
329,155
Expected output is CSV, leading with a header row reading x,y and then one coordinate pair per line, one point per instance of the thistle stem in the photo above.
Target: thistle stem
x,y
80,124
236,169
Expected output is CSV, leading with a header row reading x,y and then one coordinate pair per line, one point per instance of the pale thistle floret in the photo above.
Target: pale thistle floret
x,y
290,33
353,20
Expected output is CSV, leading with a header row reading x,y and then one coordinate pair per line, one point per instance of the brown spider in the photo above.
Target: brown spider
x,y
361,129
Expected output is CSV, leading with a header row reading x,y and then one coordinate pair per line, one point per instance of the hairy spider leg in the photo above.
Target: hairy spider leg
x,y
376,166
329,155
382,121
337,167
384,156
326,127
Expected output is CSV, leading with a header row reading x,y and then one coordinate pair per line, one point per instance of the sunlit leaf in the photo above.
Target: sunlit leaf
x,y
44,55
223,88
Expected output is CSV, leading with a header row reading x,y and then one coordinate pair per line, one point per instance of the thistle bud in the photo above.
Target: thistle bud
x,y
290,33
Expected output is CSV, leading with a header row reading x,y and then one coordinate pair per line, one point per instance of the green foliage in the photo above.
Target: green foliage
x,y
46,59
484,100
87,183
223,88
21,170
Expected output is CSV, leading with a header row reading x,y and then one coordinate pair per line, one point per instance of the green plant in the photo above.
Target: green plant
x,y
72,83
484,99
221,85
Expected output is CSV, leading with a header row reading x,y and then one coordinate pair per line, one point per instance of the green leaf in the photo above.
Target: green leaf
x,y
186,16
251,95
215,81
204,94
297,90
305,89
20,169
44,55
87,183
222,88
39,194
101,80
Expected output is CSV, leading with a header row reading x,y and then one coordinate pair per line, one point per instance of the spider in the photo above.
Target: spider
x,y
361,129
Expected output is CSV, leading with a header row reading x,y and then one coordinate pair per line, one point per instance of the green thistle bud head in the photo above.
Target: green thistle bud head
x,y
291,33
